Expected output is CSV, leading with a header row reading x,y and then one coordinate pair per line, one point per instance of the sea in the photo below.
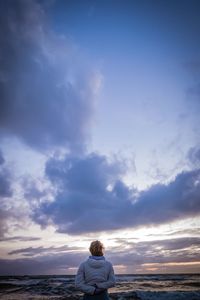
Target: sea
x,y
132,287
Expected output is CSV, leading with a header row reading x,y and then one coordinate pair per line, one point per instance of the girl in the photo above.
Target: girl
x,y
95,275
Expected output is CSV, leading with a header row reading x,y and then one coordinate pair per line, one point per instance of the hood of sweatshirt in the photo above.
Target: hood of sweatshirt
x,y
94,263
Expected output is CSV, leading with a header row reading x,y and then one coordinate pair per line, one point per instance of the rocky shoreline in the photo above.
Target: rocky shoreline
x,y
168,287
44,290
27,296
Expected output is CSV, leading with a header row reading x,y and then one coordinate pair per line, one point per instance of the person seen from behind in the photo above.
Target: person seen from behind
x,y
95,275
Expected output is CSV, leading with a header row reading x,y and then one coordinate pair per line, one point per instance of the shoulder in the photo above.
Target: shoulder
x,y
109,264
81,266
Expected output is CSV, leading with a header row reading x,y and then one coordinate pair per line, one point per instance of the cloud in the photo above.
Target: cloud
x,y
194,156
176,200
83,193
91,197
46,264
19,239
182,232
2,160
5,178
13,208
46,91
5,193
132,255
193,92
31,251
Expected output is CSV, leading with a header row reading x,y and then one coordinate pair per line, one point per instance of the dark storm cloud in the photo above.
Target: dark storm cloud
x,y
167,202
91,197
4,216
84,197
5,178
45,264
5,193
2,160
46,94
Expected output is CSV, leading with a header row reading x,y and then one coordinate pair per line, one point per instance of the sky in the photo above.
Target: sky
x,y
99,135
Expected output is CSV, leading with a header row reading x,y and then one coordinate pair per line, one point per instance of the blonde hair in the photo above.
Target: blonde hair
x,y
96,248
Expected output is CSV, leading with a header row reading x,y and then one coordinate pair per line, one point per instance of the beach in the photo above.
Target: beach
x,y
132,287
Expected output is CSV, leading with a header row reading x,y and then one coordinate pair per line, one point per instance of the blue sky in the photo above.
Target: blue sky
x,y
142,50
99,134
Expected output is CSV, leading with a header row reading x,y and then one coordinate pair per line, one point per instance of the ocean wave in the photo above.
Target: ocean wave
x,y
168,295
134,287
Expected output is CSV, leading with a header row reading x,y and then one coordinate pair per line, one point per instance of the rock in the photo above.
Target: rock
x,y
124,296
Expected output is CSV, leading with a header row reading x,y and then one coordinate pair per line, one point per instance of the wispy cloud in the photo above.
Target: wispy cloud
x,y
31,251
19,239
130,254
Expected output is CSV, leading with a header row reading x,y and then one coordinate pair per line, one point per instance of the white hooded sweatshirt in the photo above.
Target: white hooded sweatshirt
x,y
94,271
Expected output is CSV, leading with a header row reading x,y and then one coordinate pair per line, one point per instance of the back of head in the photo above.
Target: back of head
x,y
96,248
